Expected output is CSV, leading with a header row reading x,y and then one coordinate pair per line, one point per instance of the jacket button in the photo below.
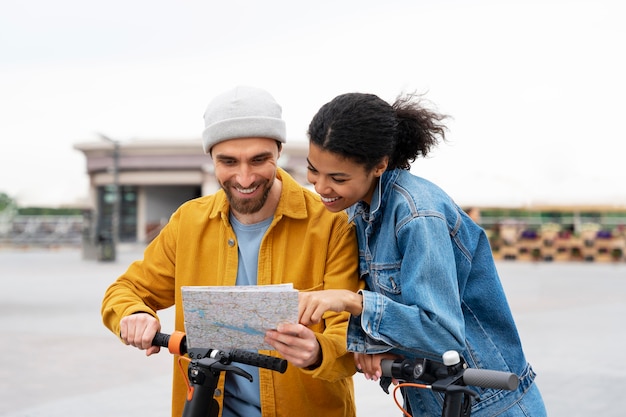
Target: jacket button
x,y
217,392
231,242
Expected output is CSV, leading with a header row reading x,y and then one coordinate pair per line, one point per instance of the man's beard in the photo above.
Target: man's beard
x,y
247,205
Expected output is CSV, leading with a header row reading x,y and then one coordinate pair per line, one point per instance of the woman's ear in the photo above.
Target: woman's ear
x,y
381,166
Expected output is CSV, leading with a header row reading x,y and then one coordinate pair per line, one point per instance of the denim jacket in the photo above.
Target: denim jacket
x,y
432,286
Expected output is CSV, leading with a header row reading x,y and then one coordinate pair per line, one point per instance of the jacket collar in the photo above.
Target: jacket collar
x,y
379,197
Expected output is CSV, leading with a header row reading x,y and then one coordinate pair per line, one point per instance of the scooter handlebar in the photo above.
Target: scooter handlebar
x,y
177,344
487,378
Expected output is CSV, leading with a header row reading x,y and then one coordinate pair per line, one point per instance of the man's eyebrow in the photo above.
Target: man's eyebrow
x,y
262,155
259,155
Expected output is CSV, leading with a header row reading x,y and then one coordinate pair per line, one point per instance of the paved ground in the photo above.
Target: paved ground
x,y
57,359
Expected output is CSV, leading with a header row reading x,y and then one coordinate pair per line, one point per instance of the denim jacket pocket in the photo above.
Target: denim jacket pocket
x,y
387,282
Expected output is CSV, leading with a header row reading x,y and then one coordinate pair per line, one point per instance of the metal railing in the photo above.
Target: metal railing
x,y
41,231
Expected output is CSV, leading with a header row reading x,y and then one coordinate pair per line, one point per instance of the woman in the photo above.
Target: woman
x,y
431,281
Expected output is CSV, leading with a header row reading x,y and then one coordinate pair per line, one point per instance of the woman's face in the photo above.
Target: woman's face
x,y
340,182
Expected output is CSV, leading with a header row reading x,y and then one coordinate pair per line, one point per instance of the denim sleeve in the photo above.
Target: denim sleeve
x,y
423,315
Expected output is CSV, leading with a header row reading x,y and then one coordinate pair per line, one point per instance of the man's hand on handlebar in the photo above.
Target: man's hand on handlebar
x,y
138,330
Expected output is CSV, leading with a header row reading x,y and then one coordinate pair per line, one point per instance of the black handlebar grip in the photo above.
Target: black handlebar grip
x,y
386,367
257,359
161,339
176,342
487,378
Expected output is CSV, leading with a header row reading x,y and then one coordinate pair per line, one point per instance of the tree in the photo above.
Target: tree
x,y
6,202
8,208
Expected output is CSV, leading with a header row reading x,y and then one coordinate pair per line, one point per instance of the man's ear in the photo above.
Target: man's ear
x,y
280,148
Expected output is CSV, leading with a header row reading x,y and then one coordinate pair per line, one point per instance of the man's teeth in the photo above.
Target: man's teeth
x,y
246,190
329,200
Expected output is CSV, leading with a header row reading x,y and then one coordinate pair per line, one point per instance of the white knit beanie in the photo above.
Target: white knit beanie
x,y
243,112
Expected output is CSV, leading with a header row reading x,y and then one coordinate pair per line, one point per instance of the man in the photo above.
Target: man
x,y
260,228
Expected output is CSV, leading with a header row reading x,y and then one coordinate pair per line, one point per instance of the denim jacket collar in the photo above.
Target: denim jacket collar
x,y
380,195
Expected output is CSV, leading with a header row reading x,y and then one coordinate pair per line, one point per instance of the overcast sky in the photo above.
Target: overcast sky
x,y
536,89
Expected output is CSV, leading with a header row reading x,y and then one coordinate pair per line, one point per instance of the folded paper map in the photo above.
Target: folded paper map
x,y
236,317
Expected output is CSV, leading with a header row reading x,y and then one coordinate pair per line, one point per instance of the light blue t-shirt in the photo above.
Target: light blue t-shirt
x,y
242,397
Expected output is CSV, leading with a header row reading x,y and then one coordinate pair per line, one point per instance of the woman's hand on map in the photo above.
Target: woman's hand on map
x,y
312,305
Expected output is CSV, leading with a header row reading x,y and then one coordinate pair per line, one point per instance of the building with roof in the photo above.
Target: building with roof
x,y
135,186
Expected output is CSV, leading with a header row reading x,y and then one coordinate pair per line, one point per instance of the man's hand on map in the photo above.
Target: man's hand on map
x,y
296,343
138,330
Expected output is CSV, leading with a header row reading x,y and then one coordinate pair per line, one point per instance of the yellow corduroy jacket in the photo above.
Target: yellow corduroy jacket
x,y
305,245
